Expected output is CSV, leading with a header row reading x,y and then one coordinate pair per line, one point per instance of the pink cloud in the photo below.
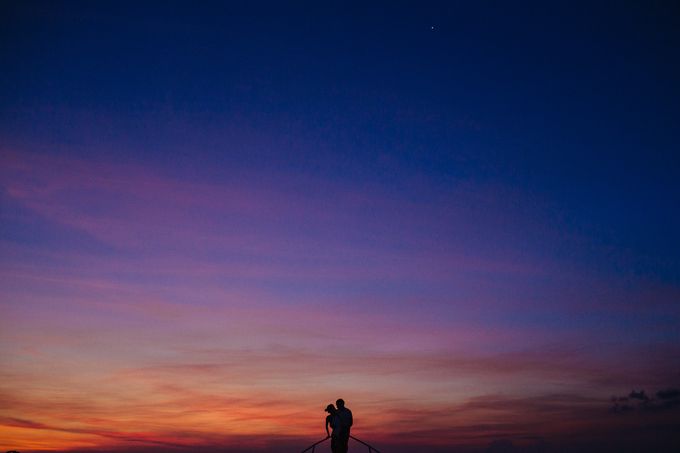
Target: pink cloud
x,y
130,206
227,313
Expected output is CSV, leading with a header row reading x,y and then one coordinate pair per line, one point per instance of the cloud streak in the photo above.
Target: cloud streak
x,y
151,310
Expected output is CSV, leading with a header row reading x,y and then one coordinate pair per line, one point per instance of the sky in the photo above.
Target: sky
x,y
218,217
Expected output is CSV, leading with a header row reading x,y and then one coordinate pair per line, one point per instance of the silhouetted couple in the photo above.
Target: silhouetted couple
x,y
340,421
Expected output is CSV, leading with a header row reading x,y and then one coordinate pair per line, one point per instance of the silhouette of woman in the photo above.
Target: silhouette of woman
x,y
333,419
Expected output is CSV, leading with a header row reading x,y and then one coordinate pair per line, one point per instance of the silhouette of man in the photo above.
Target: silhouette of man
x,y
346,421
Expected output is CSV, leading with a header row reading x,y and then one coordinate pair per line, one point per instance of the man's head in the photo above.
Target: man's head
x,y
340,403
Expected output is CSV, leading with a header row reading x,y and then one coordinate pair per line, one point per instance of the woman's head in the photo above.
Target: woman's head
x,y
331,409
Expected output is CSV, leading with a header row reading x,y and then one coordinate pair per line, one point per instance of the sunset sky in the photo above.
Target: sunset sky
x,y
460,217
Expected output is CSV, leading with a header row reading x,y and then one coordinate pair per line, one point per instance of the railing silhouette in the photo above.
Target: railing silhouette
x,y
312,447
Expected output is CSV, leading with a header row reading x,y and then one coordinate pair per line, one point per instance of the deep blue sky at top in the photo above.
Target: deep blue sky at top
x,y
573,103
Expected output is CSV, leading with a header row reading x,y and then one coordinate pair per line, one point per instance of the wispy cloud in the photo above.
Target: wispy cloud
x,y
164,310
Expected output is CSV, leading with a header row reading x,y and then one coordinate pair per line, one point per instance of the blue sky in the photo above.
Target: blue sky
x,y
199,196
